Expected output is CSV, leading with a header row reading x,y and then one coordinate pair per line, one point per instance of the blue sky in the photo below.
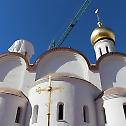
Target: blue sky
x,y
41,21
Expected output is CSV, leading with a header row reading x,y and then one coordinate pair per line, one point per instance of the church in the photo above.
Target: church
x,y
62,88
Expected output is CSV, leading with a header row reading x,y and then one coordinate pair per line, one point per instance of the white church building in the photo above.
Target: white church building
x,y
62,88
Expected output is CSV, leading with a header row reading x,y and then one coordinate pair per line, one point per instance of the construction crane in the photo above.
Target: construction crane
x,y
57,44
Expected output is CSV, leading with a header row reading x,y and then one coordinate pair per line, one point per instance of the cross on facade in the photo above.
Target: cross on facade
x,y
49,89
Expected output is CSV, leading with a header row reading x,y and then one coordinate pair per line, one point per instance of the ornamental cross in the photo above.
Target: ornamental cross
x,y
98,18
49,88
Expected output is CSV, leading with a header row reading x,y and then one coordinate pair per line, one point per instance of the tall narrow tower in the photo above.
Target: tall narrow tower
x,y
102,38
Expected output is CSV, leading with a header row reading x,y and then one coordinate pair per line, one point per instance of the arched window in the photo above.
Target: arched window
x,y
18,115
85,114
35,114
104,115
100,51
124,109
107,50
60,111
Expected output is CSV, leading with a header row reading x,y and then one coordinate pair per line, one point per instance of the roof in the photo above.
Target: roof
x,y
114,92
41,57
5,90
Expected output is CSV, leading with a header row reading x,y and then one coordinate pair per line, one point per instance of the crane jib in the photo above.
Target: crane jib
x,y
84,6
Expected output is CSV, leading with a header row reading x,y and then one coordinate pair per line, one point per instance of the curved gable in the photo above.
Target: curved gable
x,y
62,60
12,67
112,68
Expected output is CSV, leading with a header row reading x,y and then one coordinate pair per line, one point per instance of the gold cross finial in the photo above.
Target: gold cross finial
x,y
98,18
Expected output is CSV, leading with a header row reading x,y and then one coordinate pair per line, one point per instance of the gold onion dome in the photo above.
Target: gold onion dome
x,y
101,33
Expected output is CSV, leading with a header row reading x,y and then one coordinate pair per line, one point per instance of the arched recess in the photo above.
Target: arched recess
x,y
62,61
12,67
112,68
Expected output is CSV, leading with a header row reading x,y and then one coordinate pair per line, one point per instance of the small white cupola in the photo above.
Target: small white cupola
x,y
24,47
103,39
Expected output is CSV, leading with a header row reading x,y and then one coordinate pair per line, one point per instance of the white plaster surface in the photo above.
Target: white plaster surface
x,y
114,111
73,93
63,61
112,71
12,71
8,109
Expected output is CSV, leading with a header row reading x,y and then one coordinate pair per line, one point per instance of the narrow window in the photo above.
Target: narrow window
x,y
124,108
35,114
18,115
85,114
60,111
100,51
107,50
104,115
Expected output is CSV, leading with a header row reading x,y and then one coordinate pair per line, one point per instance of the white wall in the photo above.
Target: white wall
x,y
99,112
28,81
114,111
74,93
12,71
8,109
94,78
62,61
112,71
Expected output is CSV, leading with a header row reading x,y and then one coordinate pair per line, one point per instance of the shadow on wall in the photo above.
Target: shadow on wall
x,y
51,64
28,114
100,112
109,72
7,66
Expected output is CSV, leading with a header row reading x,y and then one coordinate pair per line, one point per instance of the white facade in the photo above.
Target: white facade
x,y
11,102
62,88
68,90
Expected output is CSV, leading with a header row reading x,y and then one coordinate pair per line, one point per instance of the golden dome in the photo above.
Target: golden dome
x,y
102,33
